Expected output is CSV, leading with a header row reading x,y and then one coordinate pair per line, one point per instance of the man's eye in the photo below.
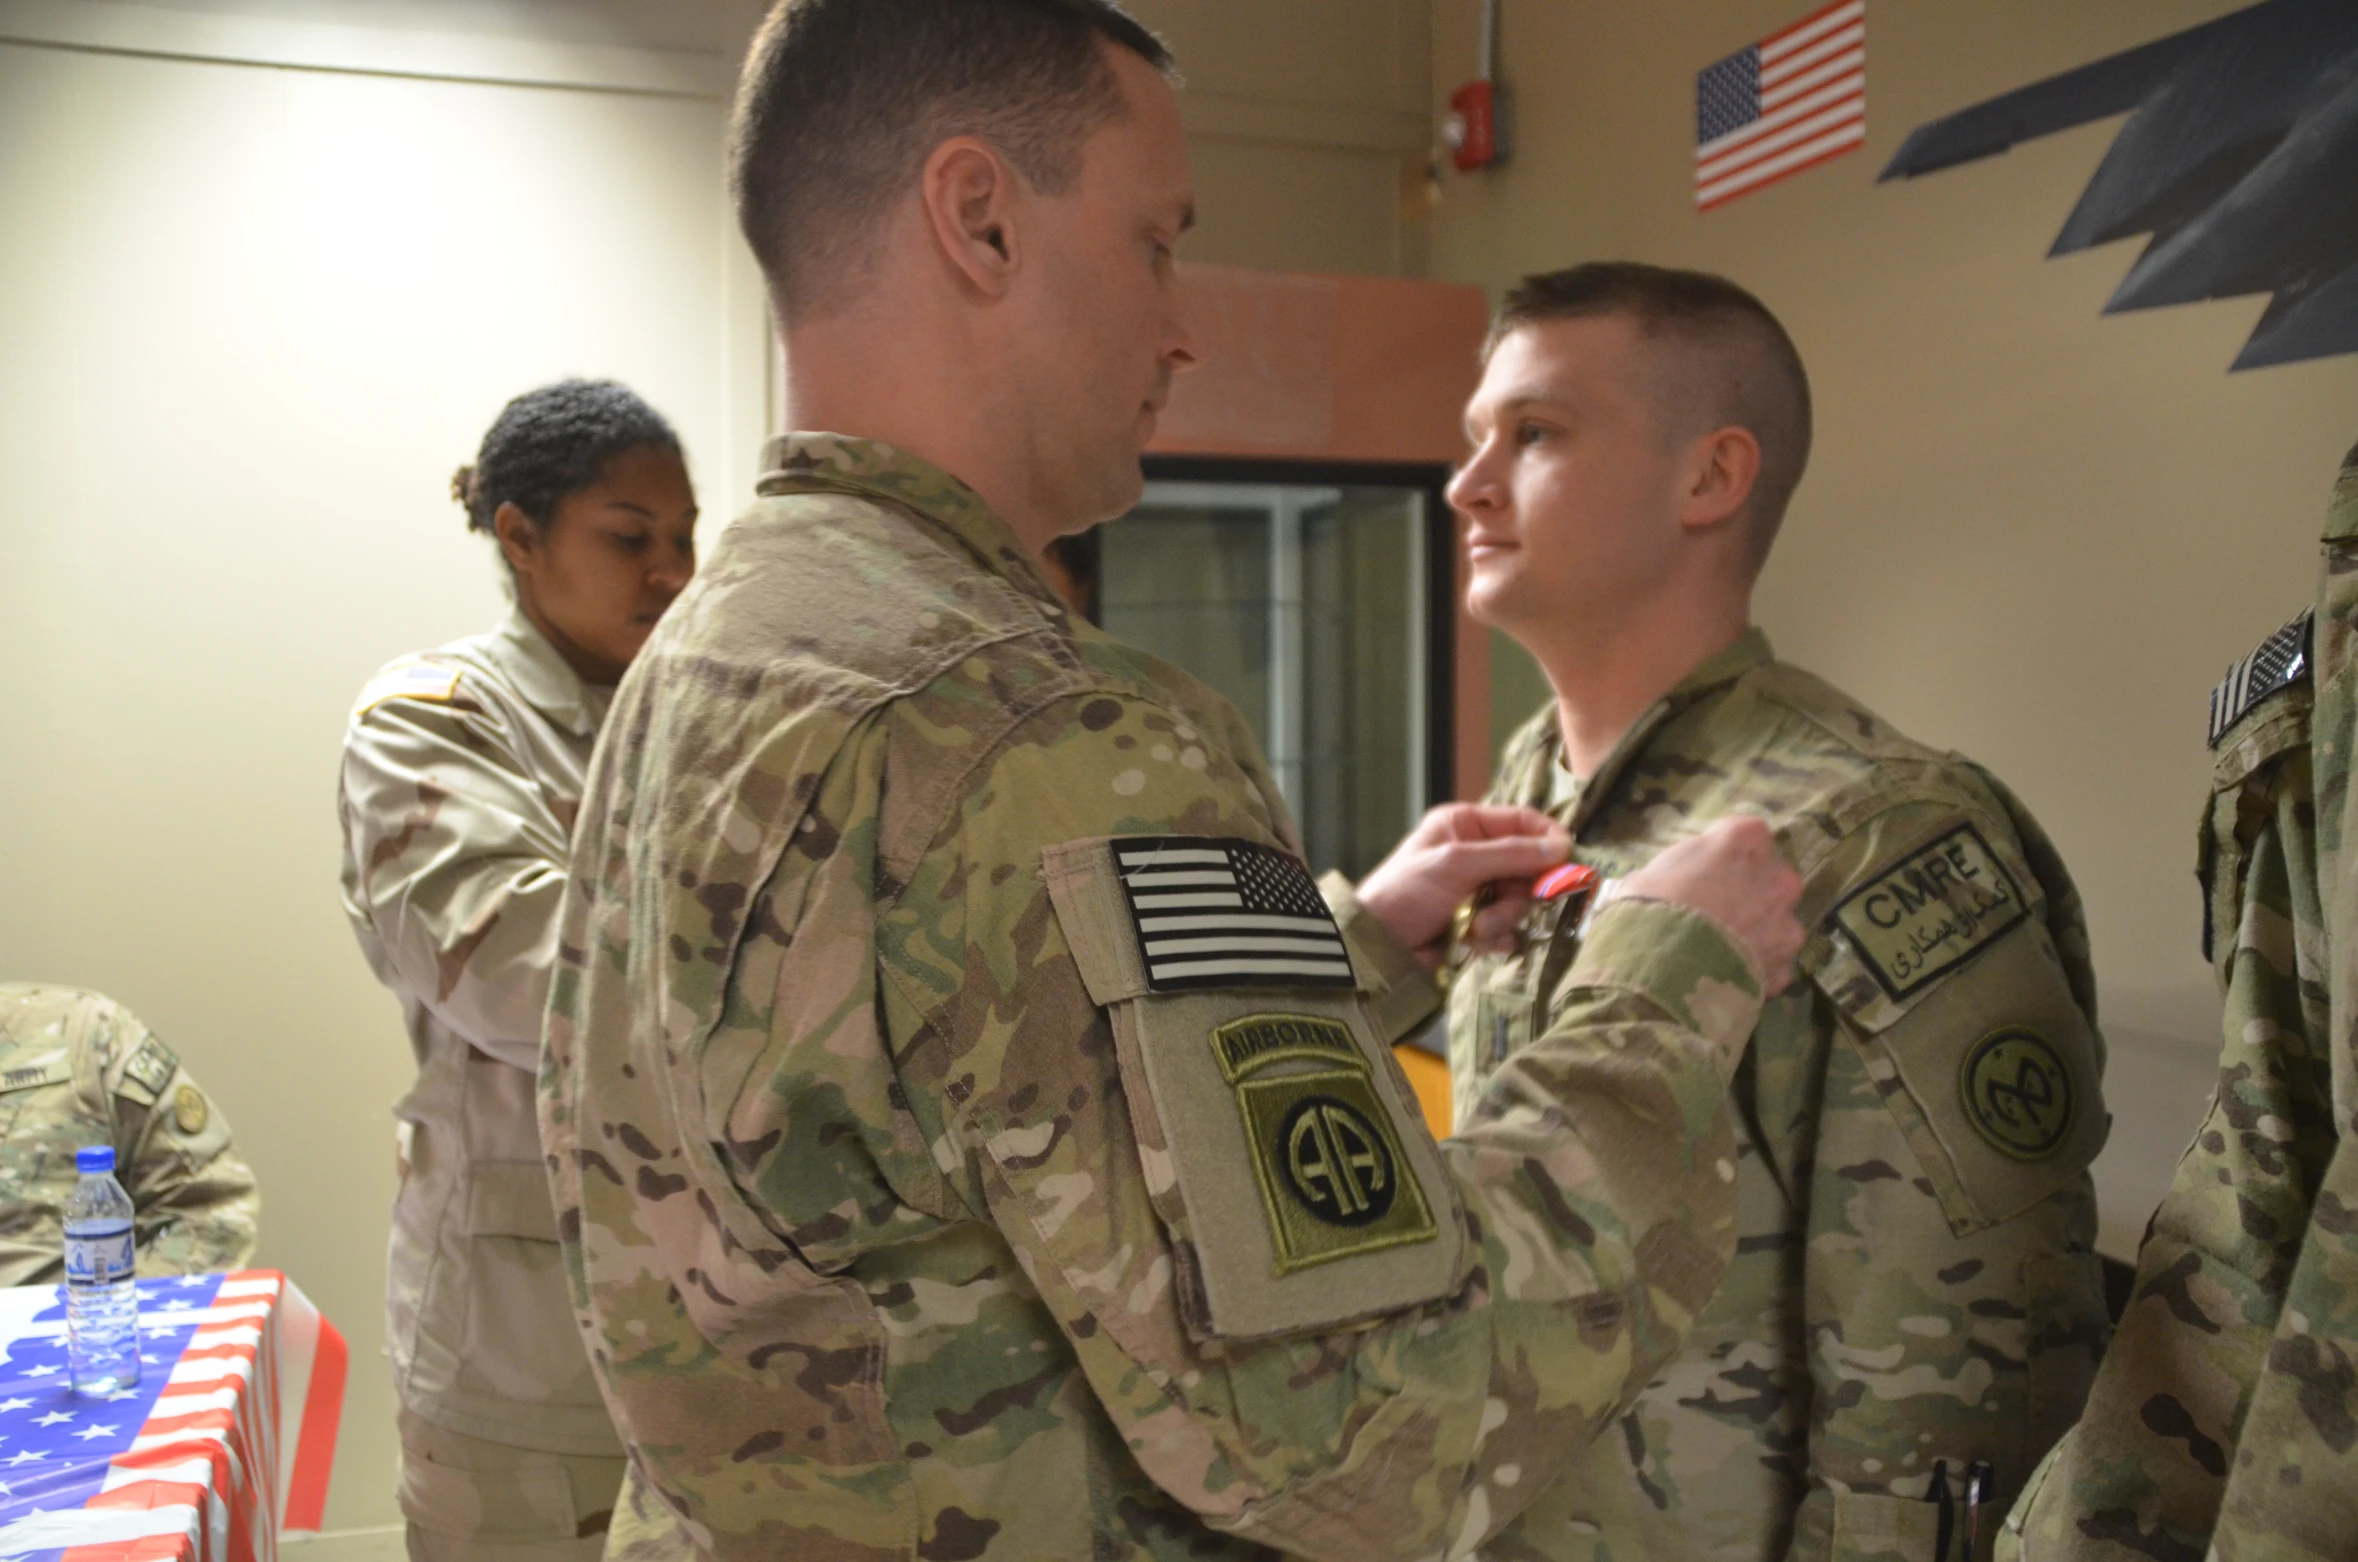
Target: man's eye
x,y
1529,434
628,542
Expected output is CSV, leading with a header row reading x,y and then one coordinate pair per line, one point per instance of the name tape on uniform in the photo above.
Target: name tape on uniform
x,y
1931,911
1213,912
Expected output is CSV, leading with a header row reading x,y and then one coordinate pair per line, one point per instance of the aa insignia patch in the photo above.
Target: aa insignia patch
x,y
1331,1173
149,1071
189,1111
2017,1093
1932,910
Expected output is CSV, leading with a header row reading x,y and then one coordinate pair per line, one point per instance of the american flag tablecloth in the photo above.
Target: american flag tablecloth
x,y
226,1441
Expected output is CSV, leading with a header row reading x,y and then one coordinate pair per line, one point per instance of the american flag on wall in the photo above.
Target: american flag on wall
x,y
1787,103
227,1439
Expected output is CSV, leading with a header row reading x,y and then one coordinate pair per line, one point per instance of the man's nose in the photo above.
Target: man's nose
x,y
1472,488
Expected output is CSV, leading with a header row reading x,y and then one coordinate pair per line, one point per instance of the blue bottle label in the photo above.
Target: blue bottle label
x,y
98,1257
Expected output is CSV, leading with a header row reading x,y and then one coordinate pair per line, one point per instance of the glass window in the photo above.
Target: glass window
x,y
1309,605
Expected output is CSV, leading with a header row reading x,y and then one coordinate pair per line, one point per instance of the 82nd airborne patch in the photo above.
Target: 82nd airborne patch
x,y
1332,1177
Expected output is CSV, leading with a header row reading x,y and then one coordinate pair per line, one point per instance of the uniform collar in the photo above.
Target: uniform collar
x,y
539,672
808,462
1713,673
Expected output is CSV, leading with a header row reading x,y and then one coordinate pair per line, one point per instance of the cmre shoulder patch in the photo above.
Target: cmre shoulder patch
x,y
151,1068
2017,1093
1216,912
2279,662
1931,910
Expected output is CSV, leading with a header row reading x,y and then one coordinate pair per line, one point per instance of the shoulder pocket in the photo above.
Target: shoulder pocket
x,y
1940,962
1281,1145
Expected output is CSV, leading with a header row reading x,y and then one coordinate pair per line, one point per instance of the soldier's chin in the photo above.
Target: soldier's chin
x,y
1490,596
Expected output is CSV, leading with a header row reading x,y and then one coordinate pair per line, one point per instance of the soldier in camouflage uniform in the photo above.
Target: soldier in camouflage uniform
x,y
462,770
1915,1307
78,1069
2225,1419
973,1133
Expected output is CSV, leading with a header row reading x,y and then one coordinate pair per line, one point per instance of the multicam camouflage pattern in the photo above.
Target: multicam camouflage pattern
x,y
1906,1291
77,1069
2225,1419
462,772
862,1195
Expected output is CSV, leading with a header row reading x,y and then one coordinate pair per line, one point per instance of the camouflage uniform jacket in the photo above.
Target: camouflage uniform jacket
x,y
77,1069
1915,1279
926,1196
462,771
2226,1417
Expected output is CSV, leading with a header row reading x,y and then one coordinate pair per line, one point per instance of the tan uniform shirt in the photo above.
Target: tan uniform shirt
x,y
462,771
77,1069
1915,1281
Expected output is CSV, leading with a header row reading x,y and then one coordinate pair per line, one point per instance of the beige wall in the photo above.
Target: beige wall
x,y
267,268
2031,533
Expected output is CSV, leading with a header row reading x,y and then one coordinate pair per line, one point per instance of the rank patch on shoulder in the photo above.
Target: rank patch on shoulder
x,y
435,684
149,1071
1212,912
1931,911
2281,661
2017,1093
1332,1176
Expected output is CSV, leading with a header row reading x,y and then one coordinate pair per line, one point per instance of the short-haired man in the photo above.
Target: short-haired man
x,y
972,1132
1915,1306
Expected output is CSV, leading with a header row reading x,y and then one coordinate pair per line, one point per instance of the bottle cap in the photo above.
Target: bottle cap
x,y
94,1158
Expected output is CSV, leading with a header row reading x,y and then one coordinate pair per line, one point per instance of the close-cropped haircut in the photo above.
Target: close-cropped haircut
x,y
842,101
1737,366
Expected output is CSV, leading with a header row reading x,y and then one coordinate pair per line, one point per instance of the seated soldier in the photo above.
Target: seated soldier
x,y
78,1069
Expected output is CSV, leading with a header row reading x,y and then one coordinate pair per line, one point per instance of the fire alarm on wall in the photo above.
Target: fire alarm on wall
x,y
1475,129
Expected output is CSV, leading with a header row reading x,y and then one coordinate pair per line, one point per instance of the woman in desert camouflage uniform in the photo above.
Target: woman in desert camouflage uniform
x,y
462,772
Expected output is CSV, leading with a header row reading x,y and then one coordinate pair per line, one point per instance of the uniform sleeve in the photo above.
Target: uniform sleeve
x,y
2143,1472
1399,1410
1952,1298
194,1200
454,867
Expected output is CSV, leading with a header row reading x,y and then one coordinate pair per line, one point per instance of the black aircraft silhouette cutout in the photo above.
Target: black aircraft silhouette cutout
x,y
2240,158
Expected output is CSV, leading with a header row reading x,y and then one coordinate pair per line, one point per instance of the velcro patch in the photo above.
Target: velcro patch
x,y
436,685
1332,1176
2017,1093
1214,912
2281,661
1931,910
151,1068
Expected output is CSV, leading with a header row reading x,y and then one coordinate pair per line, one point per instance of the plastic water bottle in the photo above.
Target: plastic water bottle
x,y
102,1308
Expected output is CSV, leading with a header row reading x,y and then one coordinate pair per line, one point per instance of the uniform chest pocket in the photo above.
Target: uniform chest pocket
x,y
1281,1147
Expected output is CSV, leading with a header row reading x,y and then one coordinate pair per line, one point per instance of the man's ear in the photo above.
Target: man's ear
x,y
972,202
1722,468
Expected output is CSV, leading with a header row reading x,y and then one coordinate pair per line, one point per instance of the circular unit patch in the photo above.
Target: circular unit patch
x,y
1336,1162
189,1112
2017,1093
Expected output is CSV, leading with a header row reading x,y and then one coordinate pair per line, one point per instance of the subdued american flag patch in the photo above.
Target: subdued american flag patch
x,y
2281,661
1211,912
